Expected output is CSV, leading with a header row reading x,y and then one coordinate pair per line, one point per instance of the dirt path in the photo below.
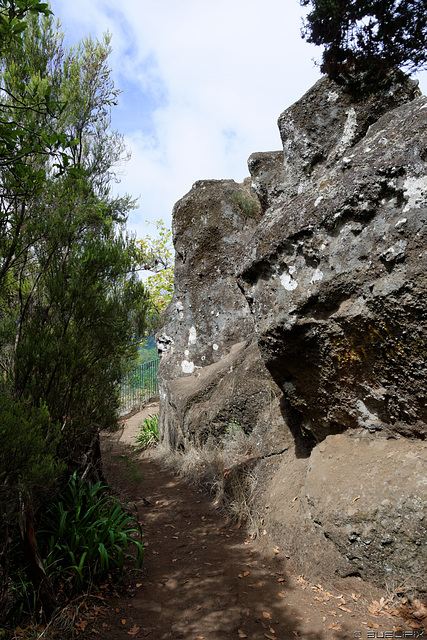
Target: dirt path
x,y
203,579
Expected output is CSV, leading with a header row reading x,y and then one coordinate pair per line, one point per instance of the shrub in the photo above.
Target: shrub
x,y
86,532
148,434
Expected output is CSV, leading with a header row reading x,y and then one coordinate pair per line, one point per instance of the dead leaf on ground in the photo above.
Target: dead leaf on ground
x,y
241,633
302,582
416,625
372,625
335,626
266,615
356,498
276,550
255,586
246,573
421,609
282,594
133,631
269,637
124,621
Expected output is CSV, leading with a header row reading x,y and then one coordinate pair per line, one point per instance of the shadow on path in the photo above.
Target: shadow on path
x,y
201,578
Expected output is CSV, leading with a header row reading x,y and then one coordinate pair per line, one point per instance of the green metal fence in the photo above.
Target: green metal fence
x,y
139,386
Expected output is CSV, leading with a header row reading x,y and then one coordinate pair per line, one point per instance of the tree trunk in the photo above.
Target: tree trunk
x,y
46,601
93,470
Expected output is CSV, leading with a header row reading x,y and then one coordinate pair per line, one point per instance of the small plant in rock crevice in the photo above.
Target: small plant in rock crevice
x,y
248,205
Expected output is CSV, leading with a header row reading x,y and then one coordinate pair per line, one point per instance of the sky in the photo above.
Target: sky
x,y
203,83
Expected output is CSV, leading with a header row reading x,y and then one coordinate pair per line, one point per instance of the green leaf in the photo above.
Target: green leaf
x,y
104,557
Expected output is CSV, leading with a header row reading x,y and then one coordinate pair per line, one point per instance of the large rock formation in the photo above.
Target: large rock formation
x,y
211,372
300,312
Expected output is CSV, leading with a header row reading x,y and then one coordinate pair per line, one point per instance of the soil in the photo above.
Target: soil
x,y
204,579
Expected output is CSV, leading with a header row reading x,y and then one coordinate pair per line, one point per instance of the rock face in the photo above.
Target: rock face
x,y
211,372
300,311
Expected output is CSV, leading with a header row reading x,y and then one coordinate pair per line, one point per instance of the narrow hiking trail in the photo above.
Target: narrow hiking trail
x,y
203,579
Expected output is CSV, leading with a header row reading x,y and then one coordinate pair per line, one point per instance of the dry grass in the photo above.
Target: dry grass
x,y
227,470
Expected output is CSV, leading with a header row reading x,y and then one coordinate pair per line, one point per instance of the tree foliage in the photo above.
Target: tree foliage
x,y
365,39
72,308
155,254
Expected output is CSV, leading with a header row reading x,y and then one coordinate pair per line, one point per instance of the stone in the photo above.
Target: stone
x,y
211,372
376,512
300,312
344,282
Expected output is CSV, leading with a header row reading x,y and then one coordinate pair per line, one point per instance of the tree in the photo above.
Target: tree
x,y
72,308
365,40
155,254
25,106
27,436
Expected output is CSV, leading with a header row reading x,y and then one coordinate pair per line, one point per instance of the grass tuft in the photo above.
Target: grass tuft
x,y
247,204
148,435
227,470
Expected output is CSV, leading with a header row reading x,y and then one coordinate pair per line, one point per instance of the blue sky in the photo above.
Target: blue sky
x,y
203,82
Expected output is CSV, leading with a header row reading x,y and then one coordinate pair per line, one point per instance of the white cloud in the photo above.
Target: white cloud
x,y
204,85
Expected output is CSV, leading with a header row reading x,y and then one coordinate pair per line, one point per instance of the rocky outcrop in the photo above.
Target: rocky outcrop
x,y
300,312
341,269
211,372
